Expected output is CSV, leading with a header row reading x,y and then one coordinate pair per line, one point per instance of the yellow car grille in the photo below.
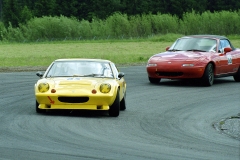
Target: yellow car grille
x,y
73,99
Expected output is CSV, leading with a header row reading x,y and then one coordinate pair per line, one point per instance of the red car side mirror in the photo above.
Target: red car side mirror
x,y
167,48
227,49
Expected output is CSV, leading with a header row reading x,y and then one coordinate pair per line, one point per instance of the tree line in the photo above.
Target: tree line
x,y
16,12
122,26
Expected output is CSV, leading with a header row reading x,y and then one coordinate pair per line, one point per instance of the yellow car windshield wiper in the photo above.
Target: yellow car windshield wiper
x,y
87,75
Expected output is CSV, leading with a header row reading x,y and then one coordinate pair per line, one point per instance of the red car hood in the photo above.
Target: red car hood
x,y
181,55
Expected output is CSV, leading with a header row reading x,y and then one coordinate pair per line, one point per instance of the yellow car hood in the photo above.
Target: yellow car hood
x,y
85,84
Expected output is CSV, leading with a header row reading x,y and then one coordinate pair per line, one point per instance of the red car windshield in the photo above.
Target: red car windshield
x,y
192,43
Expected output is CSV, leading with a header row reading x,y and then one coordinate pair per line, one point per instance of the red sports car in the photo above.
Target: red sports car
x,y
204,57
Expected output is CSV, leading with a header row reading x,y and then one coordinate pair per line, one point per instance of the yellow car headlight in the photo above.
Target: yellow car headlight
x,y
105,88
43,87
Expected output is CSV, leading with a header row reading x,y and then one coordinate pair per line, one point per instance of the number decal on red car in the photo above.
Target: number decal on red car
x,y
229,57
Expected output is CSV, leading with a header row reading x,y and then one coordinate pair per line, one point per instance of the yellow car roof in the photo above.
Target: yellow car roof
x,y
83,59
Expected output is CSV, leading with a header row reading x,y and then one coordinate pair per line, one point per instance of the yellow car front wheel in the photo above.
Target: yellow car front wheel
x,y
39,110
123,103
115,107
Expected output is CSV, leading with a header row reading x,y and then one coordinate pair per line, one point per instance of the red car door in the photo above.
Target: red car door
x,y
233,61
228,58
224,63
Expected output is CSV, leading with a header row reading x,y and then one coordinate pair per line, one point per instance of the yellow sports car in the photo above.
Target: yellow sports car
x,y
88,84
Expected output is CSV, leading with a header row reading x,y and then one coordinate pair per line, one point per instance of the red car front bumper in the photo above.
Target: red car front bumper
x,y
175,72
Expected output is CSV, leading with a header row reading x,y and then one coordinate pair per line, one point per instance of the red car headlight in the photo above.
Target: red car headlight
x,y
188,65
151,64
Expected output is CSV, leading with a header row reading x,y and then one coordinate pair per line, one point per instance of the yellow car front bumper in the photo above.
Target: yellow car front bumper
x,y
74,106
94,102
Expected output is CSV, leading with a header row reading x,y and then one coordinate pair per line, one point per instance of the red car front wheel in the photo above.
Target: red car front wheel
x,y
154,80
208,76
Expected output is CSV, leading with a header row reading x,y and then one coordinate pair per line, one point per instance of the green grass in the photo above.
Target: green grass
x,y
42,54
120,52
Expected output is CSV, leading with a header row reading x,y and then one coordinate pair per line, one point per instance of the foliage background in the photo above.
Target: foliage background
x,y
122,26
20,11
101,28
41,20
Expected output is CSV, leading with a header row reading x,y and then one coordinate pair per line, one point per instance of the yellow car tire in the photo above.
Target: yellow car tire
x,y
115,107
39,110
123,103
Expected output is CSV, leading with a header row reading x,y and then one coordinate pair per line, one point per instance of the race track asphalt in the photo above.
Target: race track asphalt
x,y
173,120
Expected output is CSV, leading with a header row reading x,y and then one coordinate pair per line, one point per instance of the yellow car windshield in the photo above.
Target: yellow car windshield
x,y
80,68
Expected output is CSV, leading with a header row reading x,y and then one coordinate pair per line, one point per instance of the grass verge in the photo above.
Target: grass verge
x,y
31,56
